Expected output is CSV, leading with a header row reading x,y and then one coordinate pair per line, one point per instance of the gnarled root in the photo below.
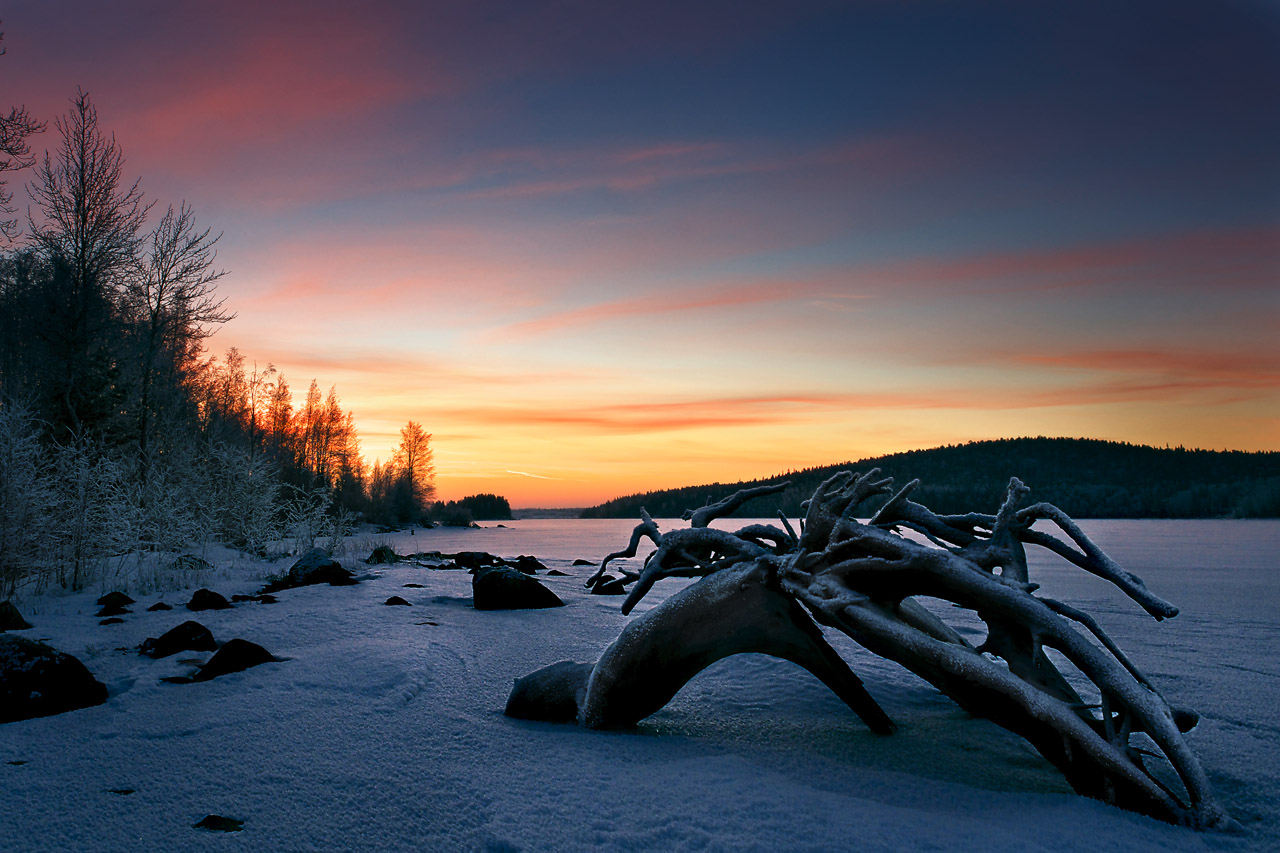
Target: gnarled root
x,y
861,579
738,610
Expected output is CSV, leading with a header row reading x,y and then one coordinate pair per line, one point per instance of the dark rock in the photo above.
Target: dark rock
x,y
581,562
528,565
395,599
551,694
113,610
37,680
414,586
557,573
261,599
472,560
218,823
609,585
114,620
115,599
159,605
382,555
234,656
11,619
502,588
207,599
122,792
189,635
313,567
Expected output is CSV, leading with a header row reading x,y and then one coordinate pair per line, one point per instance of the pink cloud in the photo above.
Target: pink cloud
x,y
1244,258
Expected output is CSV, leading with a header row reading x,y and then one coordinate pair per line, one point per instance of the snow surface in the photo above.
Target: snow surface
x,y
383,729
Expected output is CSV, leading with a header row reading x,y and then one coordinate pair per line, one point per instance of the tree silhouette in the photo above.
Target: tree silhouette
x,y
413,463
15,154
88,229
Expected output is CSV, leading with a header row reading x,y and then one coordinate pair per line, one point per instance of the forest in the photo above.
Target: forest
x,y
1086,478
119,434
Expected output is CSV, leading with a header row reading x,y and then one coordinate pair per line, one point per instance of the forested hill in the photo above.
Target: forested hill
x,y
1085,477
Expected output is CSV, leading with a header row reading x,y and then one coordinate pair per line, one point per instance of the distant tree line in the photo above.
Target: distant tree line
x,y
473,508
118,435
1086,478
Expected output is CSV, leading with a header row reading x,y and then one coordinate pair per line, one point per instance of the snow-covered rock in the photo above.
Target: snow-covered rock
x,y
37,680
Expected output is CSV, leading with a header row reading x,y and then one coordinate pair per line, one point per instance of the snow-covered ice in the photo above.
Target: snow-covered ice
x,y
383,728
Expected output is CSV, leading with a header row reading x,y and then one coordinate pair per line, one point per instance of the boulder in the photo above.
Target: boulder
x,y
382,555
315,566
115,599
528,565
113,610
190,635
395,599
557,573
503,588
159,605
219,823
234,656
609,585
37,680
581,562
11,619
472,560
207,599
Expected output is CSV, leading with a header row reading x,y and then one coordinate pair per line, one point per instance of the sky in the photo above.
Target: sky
x,y
600,248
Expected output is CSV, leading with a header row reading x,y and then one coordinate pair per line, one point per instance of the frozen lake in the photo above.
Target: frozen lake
x,y
383,729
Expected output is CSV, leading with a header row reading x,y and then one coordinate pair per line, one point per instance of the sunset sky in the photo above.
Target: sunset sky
x,y
601,248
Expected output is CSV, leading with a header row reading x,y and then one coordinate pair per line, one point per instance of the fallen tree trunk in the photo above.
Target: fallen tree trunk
x,y
861,579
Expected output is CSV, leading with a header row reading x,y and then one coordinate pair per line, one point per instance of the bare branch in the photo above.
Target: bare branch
x,y
724,508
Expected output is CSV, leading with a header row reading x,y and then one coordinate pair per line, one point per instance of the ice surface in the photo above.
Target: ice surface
x,y
383,728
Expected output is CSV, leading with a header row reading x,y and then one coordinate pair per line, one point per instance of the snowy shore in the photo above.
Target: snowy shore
x,y
382,729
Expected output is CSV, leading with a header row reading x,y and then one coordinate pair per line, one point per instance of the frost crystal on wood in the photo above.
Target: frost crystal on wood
x,y
763,588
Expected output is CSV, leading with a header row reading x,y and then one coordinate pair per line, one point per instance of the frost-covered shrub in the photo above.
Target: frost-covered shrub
x,y
307,516
26,501
95,513
245,495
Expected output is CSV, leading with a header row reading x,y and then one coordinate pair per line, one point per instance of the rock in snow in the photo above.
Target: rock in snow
x,y
11,619
234,656
37,680
315,566
190,635
219,823
528,565
502,588
207,599
115,599
609,585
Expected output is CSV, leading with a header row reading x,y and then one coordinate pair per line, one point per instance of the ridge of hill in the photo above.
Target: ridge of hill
x,y
1086,478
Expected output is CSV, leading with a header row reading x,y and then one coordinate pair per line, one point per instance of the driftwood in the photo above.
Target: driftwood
x,y
762,588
